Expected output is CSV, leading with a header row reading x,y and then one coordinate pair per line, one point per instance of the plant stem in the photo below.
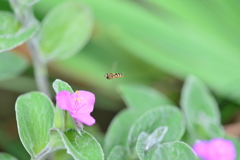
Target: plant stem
x,y
25,15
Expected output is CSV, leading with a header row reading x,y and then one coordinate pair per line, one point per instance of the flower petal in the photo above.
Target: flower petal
x,y
221,149
84,118
87,100
63,99
201,149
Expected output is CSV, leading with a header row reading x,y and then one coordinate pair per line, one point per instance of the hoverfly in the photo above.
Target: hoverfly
x,y
113,75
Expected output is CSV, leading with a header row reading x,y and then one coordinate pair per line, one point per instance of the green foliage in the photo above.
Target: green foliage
x,y
171,39
6,156
35,121
118,153
119,128
34,112
62,155
59,85
146,124
11,65
142,97
79,144
11,33
200,110
173,150
12,41
147,38
9,24
81,147
62,119
167,116
69,22
155,137
141,145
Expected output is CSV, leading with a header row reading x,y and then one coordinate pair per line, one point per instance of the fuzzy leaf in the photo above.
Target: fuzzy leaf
x,y
200,110
174,150
59,85
9,24
119,128
141,145
168,116
81,147
65,31
118,153
11,35
155,137
34,113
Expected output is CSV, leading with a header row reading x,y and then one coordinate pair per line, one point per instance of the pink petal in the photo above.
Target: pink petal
x,y
63,99
84,118
88,100
201,149
86,109
221,149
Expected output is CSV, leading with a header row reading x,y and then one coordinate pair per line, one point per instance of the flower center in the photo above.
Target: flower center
x,y
78,105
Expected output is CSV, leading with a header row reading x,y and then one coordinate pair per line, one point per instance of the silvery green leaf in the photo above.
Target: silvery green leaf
x,y
65,30
11,33
34,113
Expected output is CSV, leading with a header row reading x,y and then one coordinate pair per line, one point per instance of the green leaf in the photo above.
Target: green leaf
x,y
9,24
13,69
118,153
10,42
66,29
142,97
155,137
59,85
34,113
62,119
119,128
11,35
168,116
200,110
6,156
59,118
81,147
141,145
174,150
146,142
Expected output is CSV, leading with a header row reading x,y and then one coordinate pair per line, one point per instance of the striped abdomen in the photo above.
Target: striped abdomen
x,y
113,75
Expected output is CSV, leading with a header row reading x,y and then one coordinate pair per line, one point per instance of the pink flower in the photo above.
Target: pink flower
x,y
215,149
79,104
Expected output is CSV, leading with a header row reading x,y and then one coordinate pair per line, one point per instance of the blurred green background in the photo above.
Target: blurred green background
x,y
155,42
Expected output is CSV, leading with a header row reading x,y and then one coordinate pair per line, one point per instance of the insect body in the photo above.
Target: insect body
x,y
113,75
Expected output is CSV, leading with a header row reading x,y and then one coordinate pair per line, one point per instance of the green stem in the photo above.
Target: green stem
x,y
27,18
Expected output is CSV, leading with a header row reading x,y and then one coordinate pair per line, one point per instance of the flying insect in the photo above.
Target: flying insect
x,y
113,75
